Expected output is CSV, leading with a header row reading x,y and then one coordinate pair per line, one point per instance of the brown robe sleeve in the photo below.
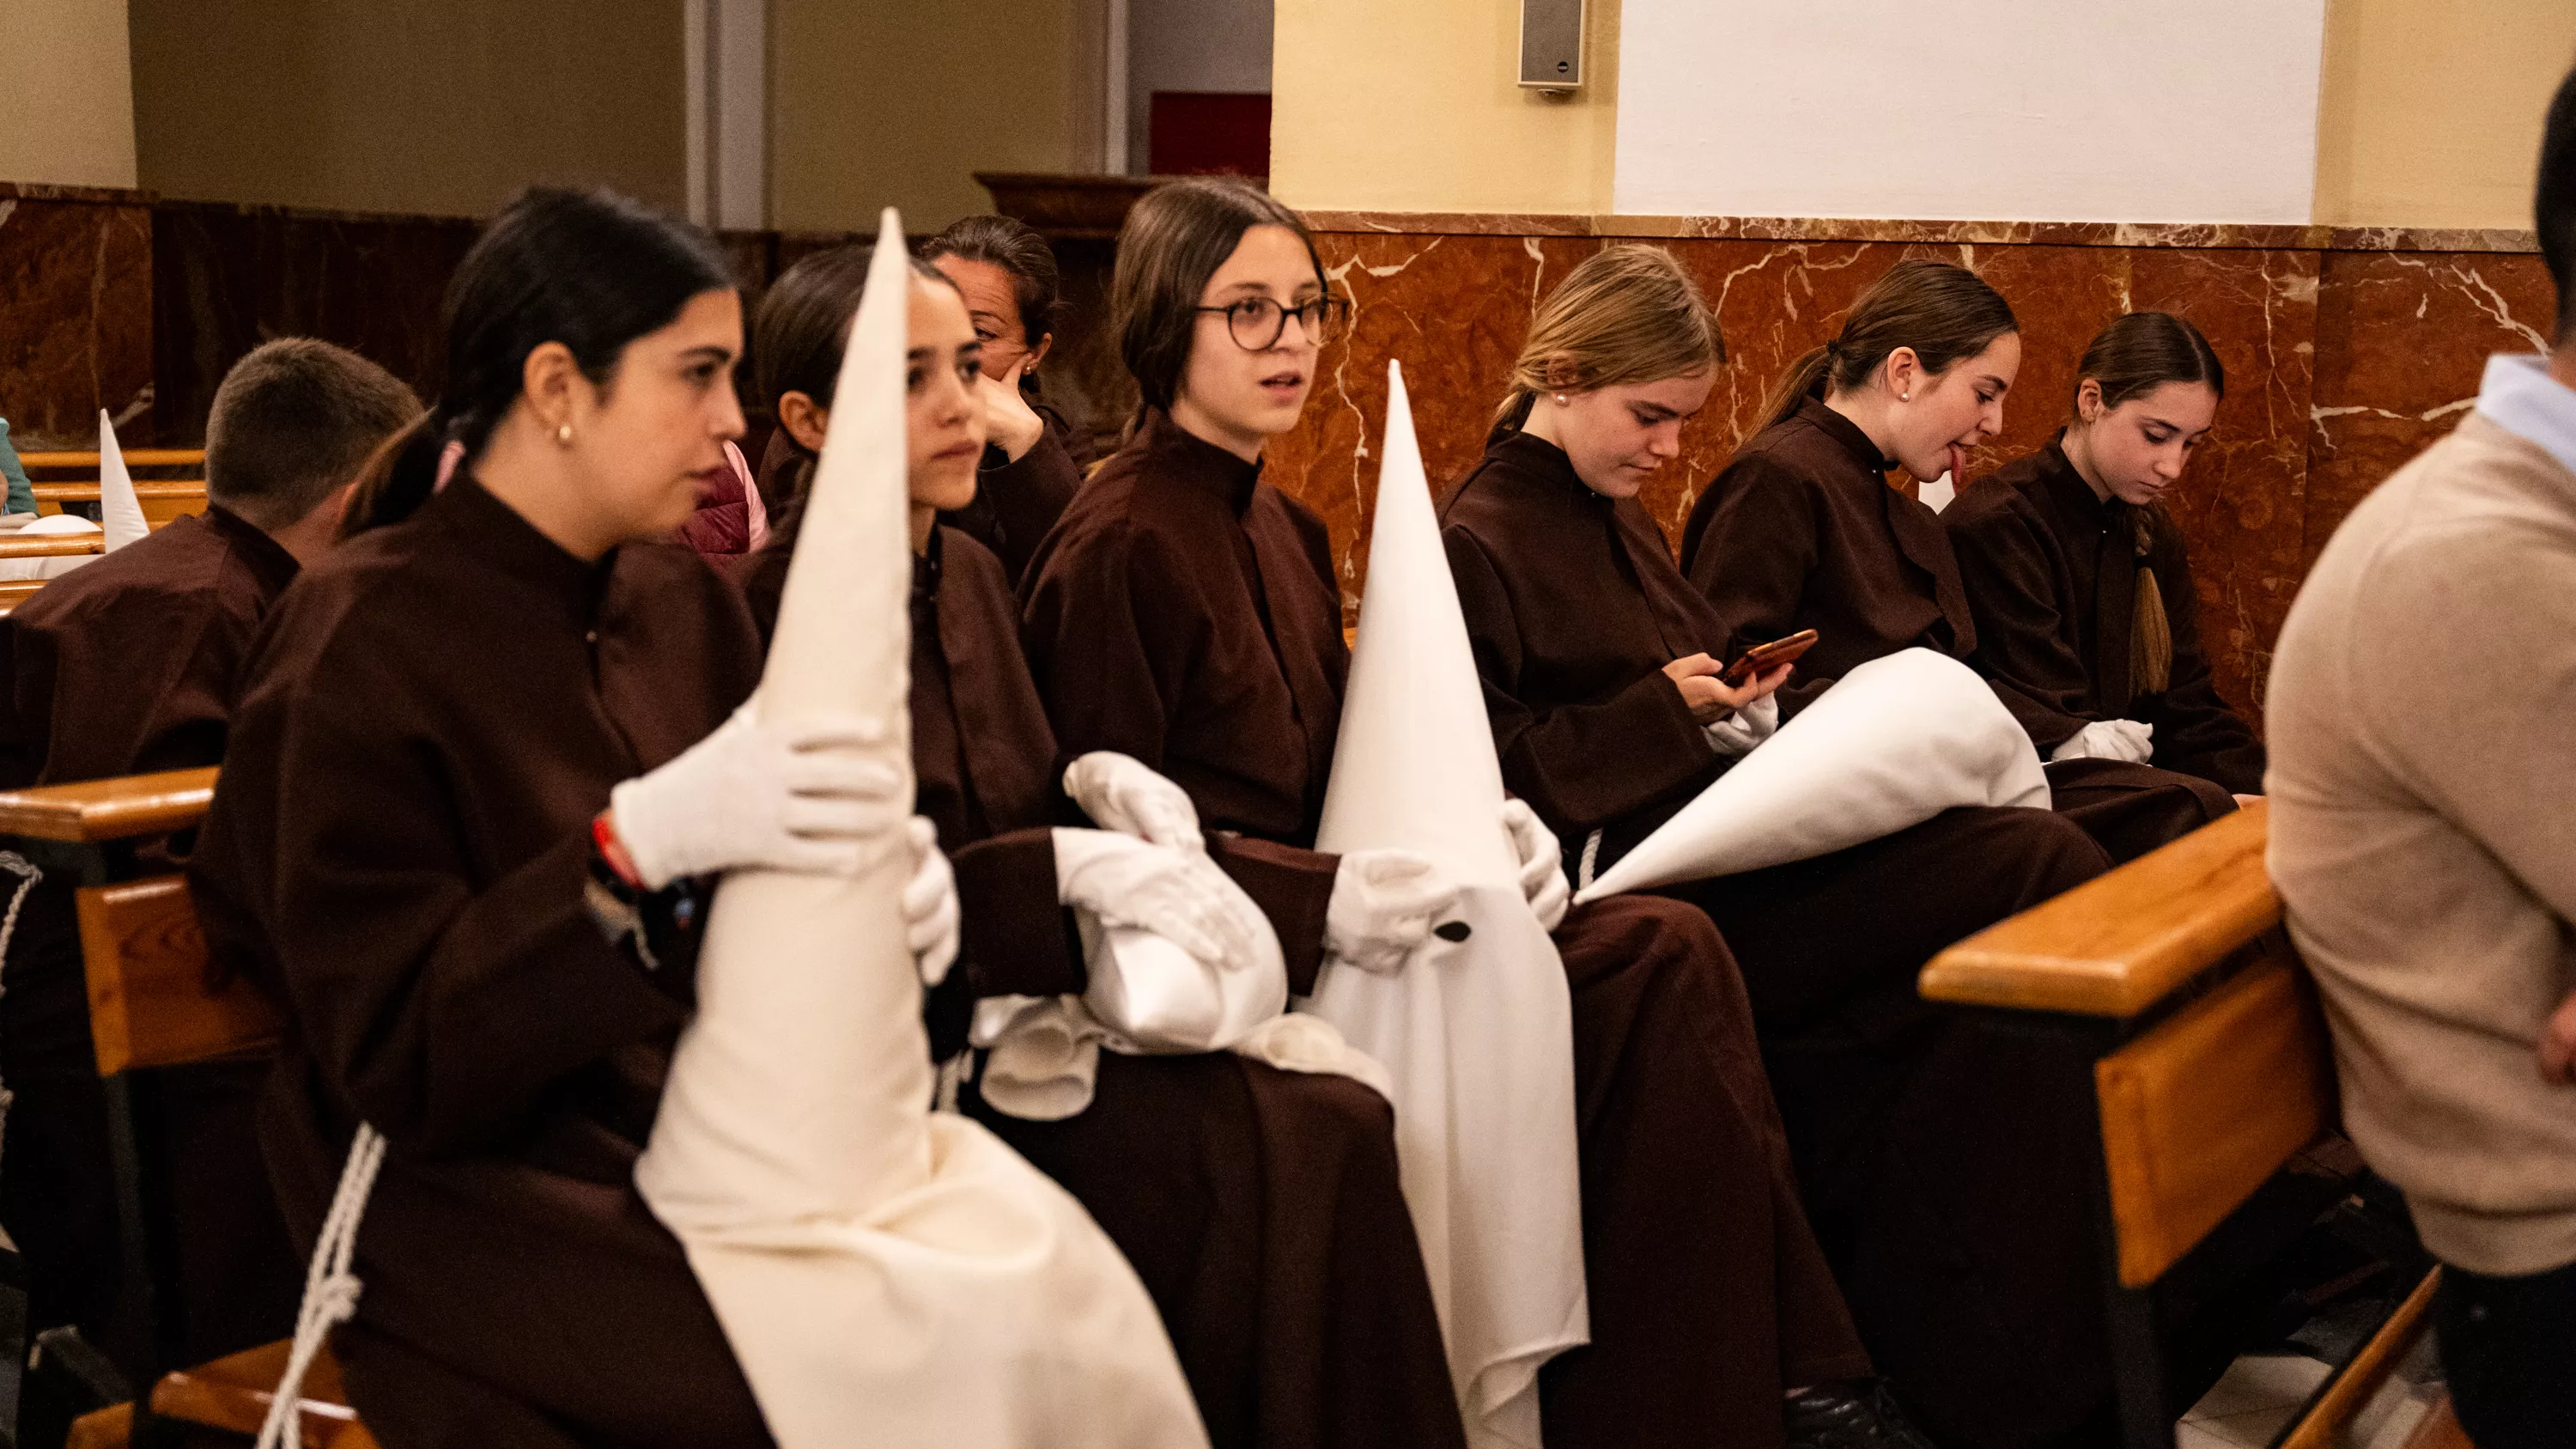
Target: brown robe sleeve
x,y
1579,766
1751,560
444,1014
1018,501
2025,645
1017,941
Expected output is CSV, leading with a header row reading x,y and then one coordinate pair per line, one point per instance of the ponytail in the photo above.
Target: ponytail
x,y
2151,632
1943,314
397,478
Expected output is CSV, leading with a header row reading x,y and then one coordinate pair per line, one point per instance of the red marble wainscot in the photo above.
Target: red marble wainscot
x,y
75,314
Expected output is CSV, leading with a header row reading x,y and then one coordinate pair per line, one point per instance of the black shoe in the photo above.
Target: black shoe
x,y
1853,1414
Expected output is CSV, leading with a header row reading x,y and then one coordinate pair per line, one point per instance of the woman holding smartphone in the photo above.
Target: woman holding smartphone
x,y
1951,1209
1803,530
1185,612
1032,461
1261,1207
2079,579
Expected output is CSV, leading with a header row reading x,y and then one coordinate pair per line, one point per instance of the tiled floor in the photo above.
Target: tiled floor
x,y
2260,1393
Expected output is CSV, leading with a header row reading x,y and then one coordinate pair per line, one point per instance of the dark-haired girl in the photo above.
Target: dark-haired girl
x,y
1803,530
1032,461
2079,579
482,767
1261,1207
1185,611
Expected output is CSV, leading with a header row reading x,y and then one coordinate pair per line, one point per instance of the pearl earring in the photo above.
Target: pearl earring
x,y
563,435
1560,399
1905,397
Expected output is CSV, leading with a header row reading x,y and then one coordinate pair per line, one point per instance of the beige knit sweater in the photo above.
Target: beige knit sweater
x,y
2423,782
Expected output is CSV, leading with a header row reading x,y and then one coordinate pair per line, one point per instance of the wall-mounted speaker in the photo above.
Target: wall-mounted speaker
x,y
1552,44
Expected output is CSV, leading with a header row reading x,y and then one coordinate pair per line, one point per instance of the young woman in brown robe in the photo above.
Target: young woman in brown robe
x,y
1032,461
1946,1184
1260,1206
2079,580
1802,530
1186,612
482,768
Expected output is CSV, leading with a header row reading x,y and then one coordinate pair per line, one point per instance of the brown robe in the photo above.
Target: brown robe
x,y
124,666
2052,577
1018,500
401,848
1800,530
1261,1207
1185,612
1955,1219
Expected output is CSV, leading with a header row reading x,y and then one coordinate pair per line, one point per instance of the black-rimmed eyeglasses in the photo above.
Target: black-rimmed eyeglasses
x,y
1257,323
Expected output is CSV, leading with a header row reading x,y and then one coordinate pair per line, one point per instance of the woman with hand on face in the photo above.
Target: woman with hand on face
x,y
1803,530
1261,1207
485,767
1032,461
2079,579
1186,612
1600,676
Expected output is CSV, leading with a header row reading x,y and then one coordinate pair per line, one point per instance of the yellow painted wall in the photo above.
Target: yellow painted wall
x,y
2430,112
67,110
436,106
1412,107
899,102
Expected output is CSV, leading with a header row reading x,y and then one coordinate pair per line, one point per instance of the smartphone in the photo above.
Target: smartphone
x,y
1761,658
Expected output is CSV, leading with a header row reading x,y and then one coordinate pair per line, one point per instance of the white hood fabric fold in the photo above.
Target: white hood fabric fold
x,y
886,1274
1476,1036
1893,743
120,512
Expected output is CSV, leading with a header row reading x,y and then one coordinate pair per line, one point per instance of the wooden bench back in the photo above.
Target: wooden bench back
x,y
72,477
2201,1109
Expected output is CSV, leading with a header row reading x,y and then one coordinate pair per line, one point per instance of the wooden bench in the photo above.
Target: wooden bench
x,y
2210,1073
154,1002
73,478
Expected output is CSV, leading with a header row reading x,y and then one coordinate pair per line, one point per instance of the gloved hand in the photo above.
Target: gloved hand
x,y
1384,903
1178,895
929,903
2109,739
1737,734
1542,863
790,796
1119,793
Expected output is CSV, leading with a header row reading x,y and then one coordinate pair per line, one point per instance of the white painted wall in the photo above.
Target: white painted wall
x,y
2008,110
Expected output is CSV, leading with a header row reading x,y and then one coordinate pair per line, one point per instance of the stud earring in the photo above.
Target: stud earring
x,y
563,435
1560,399
1905,397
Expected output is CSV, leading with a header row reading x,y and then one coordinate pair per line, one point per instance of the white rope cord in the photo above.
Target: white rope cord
x,y
28,875
330,1289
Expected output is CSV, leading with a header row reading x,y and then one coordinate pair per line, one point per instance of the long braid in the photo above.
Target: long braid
x,y
2151,633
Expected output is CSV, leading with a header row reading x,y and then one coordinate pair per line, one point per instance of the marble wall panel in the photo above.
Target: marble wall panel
x,y
2403,341
228,278
75,316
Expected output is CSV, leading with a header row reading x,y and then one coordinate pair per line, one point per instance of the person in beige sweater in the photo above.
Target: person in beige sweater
x,y
2423,837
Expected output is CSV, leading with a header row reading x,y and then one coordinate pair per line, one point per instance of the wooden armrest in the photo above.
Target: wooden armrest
x,y
153,999
2117,945
123,808
143,488
53,545
234,1392
134,458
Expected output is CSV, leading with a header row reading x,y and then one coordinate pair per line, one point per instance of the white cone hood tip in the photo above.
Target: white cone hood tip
x,y
120,512
880,1270
1476,1037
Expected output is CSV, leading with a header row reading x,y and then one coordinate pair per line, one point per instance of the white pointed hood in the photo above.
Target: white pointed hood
x,y
120,512
1477,1035
881,1270
1414,765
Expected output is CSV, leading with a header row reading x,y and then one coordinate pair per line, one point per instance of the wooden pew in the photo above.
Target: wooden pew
x,y
2210,1072
155,1002
73,478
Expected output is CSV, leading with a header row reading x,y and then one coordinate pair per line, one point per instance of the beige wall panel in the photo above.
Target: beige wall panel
x,y
899,102
67,118
436,106
1415,107
2430,112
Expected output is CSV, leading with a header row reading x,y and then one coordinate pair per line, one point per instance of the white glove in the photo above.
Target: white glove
x,y
929,903
1119,793
2109,739
1384,904
1178,895
1542,863
1737,734
798,795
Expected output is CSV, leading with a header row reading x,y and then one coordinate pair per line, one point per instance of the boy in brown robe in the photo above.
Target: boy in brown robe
x,y
124,666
